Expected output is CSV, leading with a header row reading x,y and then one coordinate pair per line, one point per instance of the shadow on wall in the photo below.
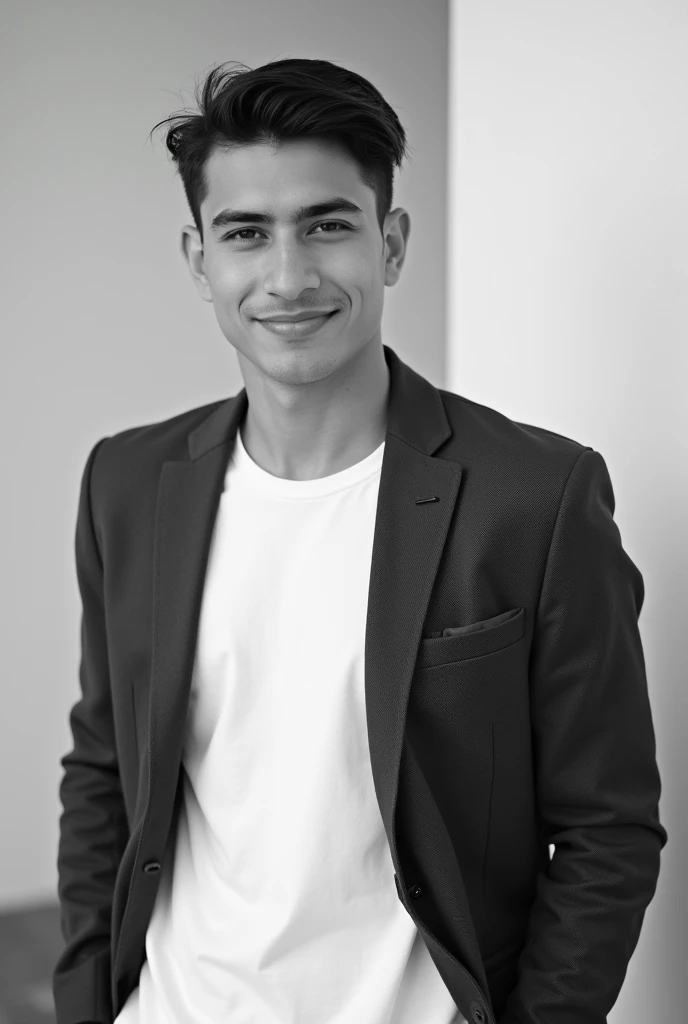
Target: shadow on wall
x,y
30,945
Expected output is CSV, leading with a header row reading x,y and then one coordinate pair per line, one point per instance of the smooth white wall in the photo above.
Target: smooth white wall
x,y
567,308
102,327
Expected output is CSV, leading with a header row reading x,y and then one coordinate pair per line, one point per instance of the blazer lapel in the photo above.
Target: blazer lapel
x,y
188,498
416,501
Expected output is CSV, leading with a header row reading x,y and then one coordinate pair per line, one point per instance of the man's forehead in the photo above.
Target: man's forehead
x,y
262,158
248,181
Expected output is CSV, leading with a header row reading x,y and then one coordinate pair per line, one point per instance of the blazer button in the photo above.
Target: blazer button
x,y
415,891
151,866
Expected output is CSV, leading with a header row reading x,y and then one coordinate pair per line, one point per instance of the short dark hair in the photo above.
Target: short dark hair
x,y
282,100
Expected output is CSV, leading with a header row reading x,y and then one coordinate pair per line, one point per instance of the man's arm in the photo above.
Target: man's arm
x,y
93,824
597,780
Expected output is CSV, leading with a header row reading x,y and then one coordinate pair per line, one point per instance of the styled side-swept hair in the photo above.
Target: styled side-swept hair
x,y
282,100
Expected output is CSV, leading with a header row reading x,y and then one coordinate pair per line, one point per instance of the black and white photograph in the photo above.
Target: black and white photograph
x,y
345,564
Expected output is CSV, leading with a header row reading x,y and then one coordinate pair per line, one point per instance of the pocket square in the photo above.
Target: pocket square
x,y
473,626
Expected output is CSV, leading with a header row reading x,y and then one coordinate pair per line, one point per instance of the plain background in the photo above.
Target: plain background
x,y
546,276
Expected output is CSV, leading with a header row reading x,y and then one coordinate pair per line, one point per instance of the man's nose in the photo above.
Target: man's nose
x,y
289,269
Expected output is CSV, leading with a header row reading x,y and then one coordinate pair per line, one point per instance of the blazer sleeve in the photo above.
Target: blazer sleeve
x,y
93,828
597,780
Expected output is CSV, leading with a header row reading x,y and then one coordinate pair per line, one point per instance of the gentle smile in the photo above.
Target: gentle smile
x,y
298,328
297,318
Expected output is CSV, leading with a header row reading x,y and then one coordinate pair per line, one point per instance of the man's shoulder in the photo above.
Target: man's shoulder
x,y
164,434
491,445
129,460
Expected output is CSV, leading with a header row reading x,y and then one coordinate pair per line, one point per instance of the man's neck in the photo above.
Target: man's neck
x,y
318,438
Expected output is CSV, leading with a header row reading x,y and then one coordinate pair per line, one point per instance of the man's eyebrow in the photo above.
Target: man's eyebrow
x,y
334,204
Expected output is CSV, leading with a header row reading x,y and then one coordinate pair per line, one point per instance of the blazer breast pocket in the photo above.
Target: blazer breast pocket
x,y
473,640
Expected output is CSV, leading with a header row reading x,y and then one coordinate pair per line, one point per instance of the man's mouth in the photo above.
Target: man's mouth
x,y
297,317
301,328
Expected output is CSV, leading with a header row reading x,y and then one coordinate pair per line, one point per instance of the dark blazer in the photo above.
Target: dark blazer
x,y
487,745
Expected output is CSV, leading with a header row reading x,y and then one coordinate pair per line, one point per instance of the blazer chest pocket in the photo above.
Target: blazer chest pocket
x,y
473,640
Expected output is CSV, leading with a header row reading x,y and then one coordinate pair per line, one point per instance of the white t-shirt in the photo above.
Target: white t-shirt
x,y
277,902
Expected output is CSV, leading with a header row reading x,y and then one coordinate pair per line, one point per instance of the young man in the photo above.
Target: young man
x,y
356,650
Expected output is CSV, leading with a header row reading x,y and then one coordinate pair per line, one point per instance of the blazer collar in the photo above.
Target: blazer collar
x,y
415,413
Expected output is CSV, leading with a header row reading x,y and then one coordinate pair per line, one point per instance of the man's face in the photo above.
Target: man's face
x,y
252,270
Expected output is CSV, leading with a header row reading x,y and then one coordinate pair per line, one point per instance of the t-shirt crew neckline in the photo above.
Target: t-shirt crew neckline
x,y
254,476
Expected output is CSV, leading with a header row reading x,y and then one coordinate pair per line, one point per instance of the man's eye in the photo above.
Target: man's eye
x,y
326,223
332,223
242,231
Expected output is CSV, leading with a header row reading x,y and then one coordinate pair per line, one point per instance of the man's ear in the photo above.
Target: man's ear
x,y
192,250
397,231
